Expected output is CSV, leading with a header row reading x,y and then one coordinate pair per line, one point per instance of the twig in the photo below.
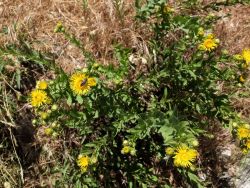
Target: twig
x,y
14,147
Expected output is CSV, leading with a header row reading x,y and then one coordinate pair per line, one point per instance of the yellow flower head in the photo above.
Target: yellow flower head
x,y
80,83
184,156
83,162
42,85
39,97
248,144
246,55
209,44
169,151
126,150
242,79
243,132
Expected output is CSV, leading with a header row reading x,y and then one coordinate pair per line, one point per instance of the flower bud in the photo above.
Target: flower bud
x,y
125,143
54,107
195,143
133,152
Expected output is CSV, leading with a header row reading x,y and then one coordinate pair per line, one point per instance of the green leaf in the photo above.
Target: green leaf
x,y
167,133
69,100
79,99
195,179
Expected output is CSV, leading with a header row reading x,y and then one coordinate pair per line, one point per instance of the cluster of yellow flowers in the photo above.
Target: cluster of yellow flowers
x,y
183,155
128,147
39,95
245,58
243,134
209,43
84,161
80,84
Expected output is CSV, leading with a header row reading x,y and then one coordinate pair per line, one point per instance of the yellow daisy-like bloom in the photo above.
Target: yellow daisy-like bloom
x,y
125,150
42,85
243,132
209,44
39,97
246,55
169,151
184,156
83,162
80,83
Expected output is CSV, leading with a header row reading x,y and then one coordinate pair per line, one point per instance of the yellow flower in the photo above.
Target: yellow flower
x,y
80,83
209,44
39,97
242,79
125,150
42,85
184,156
246,55
83,162
248,144
201,31
243,132
169,151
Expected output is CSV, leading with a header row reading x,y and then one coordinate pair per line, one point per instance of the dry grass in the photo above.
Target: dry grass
x,y
100,24
234,31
